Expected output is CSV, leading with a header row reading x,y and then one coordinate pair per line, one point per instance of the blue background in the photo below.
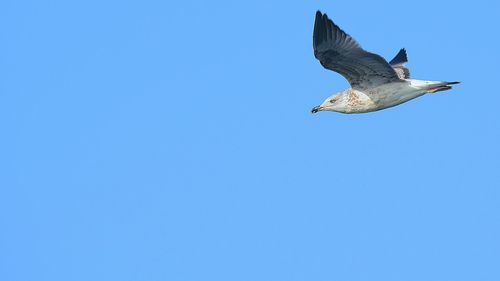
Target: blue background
x,y
173,140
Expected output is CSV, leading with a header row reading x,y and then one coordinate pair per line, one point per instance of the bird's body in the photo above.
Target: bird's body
x,y
375,83
380,97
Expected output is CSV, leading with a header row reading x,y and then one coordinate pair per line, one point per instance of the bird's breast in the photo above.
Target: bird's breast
x,y
357,102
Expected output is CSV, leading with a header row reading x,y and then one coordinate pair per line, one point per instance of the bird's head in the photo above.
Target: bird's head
x,y
332,103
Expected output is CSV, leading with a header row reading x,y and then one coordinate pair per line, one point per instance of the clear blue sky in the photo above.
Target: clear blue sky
x,y
173,140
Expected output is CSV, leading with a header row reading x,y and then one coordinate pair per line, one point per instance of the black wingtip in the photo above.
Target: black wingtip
x,y
454,82
322,27
319,16
319,29
400,58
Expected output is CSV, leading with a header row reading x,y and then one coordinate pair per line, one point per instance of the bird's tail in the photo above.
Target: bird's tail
x,y
441,86
432,86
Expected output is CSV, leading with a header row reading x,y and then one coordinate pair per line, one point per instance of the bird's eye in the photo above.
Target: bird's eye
x,y
333,100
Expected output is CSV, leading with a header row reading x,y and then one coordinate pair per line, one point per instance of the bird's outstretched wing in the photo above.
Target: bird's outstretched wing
x,y
399,64
338,51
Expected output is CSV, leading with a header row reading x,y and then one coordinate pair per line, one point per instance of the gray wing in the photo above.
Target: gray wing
x,y
339,52
398,63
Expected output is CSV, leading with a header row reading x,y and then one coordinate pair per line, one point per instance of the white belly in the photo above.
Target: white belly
x,y
393,94
384,96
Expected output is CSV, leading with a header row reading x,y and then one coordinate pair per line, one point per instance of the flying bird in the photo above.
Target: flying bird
x,y
375,83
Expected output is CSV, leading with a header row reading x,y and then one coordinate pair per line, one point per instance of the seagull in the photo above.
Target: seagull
x,y
375,83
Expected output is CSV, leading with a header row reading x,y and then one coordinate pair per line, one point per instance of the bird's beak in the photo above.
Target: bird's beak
x,y
316,109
